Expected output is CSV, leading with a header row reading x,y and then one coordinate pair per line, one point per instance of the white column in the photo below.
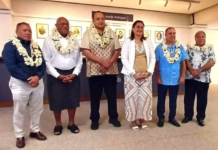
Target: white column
x,y
6,28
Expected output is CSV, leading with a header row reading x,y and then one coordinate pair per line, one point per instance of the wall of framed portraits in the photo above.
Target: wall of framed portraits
x,y
42,16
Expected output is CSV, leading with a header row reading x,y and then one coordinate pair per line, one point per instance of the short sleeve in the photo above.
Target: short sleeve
x,y
85,41
183,53
211,55
116,41
157,54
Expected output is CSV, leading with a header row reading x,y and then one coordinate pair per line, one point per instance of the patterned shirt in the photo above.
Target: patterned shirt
x,y
197,60
88,42
169,73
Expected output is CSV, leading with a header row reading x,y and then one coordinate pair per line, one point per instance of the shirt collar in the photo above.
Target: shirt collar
x,y
61,37
24,42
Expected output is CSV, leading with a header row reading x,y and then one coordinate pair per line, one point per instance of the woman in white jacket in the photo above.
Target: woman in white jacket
x,y
138,60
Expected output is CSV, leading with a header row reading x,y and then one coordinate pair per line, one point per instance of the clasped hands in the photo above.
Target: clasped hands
x,y
105,65
195,73
143,75
67,78
33,81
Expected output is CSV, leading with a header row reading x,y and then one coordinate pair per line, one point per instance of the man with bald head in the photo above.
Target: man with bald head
x,y
202,59
64,62
24,61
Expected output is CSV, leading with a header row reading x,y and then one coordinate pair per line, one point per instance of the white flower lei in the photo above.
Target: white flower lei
x,y
34,52
198,48
104,40
167,53
58,46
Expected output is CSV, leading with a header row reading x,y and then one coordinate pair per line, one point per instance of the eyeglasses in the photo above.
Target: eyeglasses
x,y
62,24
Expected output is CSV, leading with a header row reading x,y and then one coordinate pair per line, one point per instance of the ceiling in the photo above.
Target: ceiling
x,y
173,6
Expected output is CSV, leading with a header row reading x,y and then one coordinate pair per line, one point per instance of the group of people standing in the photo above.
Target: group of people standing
x,y
61,56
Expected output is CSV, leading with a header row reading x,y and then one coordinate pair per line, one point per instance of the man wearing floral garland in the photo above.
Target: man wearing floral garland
x,y
24,61
202,59
101,47
64,62
170,55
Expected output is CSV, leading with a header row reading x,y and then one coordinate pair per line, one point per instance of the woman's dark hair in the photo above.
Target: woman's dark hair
x,y
132,37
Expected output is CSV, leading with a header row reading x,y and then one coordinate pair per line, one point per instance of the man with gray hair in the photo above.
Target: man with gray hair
x,y
64,62
202,59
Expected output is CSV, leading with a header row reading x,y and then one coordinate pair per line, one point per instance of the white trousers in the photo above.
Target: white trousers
x,y
22,92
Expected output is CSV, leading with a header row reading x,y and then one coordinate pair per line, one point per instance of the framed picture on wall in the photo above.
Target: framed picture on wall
x,y
147,33
120,34
159,35
42,30
77,31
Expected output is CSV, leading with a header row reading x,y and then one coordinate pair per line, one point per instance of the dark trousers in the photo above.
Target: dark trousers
x,y
162,92
96,86
191,88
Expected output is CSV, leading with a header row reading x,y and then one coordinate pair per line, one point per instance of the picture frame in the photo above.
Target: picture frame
x,y
77,32
120,34
42,30
147,34
158,36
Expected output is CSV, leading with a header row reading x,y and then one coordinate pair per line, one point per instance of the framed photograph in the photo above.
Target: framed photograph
x,y
77,32
147,34
120,34
159,35
42,30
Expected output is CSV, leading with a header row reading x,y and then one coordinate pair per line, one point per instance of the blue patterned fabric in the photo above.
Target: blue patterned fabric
x,y
169,73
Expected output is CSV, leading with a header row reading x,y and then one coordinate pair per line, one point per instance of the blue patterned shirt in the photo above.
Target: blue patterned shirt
x,y
169,73
197,60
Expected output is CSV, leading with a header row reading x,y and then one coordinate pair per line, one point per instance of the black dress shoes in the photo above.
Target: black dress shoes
x,y
20,143
174,122
115,123
201,123
94,125
160,123
186,120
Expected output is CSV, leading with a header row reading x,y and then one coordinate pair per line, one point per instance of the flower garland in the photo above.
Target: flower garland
x,y
167,53
23,52
198,48
104,40
58,46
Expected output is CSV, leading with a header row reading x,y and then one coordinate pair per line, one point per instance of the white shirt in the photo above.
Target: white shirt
x,y
55,59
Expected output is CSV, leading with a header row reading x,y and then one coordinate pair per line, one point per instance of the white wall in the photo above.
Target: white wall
x,y
212,38
35,12
5,30
83,12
